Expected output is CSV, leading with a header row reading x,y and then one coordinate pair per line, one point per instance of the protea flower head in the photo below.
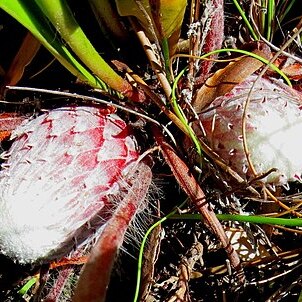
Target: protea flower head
x,y
63,172
273,128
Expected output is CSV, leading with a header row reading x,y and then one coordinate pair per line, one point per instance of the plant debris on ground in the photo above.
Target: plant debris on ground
x,y
212,93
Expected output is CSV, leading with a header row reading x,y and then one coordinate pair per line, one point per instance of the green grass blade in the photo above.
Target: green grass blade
x,y
181,115
62,18
251,54
271,15
28,285
257,219
30,16
166,54
246,21
284,8
143,245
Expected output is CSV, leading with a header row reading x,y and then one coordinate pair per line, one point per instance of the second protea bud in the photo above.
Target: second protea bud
x,y
272,127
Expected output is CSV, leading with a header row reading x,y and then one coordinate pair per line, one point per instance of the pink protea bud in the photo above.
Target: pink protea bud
x,y
273,129
63,171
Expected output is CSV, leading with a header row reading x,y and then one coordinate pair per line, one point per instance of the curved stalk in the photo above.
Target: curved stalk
x,y
62,18
31,17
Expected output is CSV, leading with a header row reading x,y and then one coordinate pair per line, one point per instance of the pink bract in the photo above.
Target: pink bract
x,y
273,129
63,171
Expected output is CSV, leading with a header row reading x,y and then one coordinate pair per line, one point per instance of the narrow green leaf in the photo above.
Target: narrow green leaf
x,y
28,285
289,222
30,16
271,15
246,21
62,18
284,7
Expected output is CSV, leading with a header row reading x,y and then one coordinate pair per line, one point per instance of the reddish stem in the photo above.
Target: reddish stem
x,y
96,273
213,35
188,183
57,288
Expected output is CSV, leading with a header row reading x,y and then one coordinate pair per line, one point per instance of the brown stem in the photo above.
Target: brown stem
x,y
188,183
155,63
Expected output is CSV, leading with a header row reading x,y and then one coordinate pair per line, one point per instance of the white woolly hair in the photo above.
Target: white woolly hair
x,y
273,127
50,202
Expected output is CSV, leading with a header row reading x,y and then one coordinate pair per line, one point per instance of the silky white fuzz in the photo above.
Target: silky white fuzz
x,y
273,129
56,183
